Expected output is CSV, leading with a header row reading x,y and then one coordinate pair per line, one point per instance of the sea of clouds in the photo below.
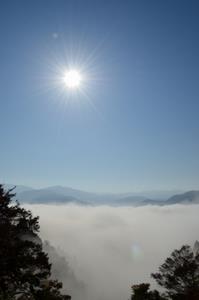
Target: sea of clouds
x,y
110,248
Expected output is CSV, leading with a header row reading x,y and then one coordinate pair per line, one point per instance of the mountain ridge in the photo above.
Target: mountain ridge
x,y
61,194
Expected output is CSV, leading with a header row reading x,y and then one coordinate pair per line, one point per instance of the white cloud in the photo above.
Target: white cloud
x,y
109,248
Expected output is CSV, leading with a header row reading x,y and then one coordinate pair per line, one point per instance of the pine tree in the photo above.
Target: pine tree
x,y
24,267
179,275
142,292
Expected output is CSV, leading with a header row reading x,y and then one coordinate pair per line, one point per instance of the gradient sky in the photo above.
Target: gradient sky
x,y
136,129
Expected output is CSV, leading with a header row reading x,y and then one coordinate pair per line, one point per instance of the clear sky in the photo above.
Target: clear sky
x,y
135,124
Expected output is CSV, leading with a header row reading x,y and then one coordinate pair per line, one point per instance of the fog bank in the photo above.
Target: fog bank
x,y
110,248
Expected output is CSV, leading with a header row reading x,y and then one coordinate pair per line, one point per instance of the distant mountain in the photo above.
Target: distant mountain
x,y
190,197
130,200
160,194
60,194
18,188
46,196
186,198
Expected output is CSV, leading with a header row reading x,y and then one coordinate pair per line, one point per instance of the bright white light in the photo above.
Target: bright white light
x,y
72,79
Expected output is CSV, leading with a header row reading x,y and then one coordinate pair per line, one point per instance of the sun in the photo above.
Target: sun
x,y
72,79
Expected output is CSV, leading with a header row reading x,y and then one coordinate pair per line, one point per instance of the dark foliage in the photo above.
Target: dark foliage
x,y
142,292
24,266
179,275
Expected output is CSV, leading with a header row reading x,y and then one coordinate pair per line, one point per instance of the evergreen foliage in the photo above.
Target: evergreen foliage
x,y
142,292
179,275
24,267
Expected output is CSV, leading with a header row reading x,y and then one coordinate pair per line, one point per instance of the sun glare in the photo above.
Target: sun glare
x,y
72,79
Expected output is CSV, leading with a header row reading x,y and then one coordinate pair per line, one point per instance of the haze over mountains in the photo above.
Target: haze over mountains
x,y
61,195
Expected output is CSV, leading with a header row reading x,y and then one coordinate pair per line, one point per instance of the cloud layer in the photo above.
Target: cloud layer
x,y
110,248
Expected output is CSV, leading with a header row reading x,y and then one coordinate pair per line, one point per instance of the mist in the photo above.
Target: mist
x,y
110,248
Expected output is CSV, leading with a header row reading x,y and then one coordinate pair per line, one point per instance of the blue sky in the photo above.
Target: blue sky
x,y
136,128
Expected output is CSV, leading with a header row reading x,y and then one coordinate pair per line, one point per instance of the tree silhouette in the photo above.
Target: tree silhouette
x,y
179,275
142,292
24,267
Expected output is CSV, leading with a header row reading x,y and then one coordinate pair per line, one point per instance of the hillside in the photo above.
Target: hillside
x,y
60,194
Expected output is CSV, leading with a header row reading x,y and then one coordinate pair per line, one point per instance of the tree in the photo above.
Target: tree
x,y
142,292
24,267
179,275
